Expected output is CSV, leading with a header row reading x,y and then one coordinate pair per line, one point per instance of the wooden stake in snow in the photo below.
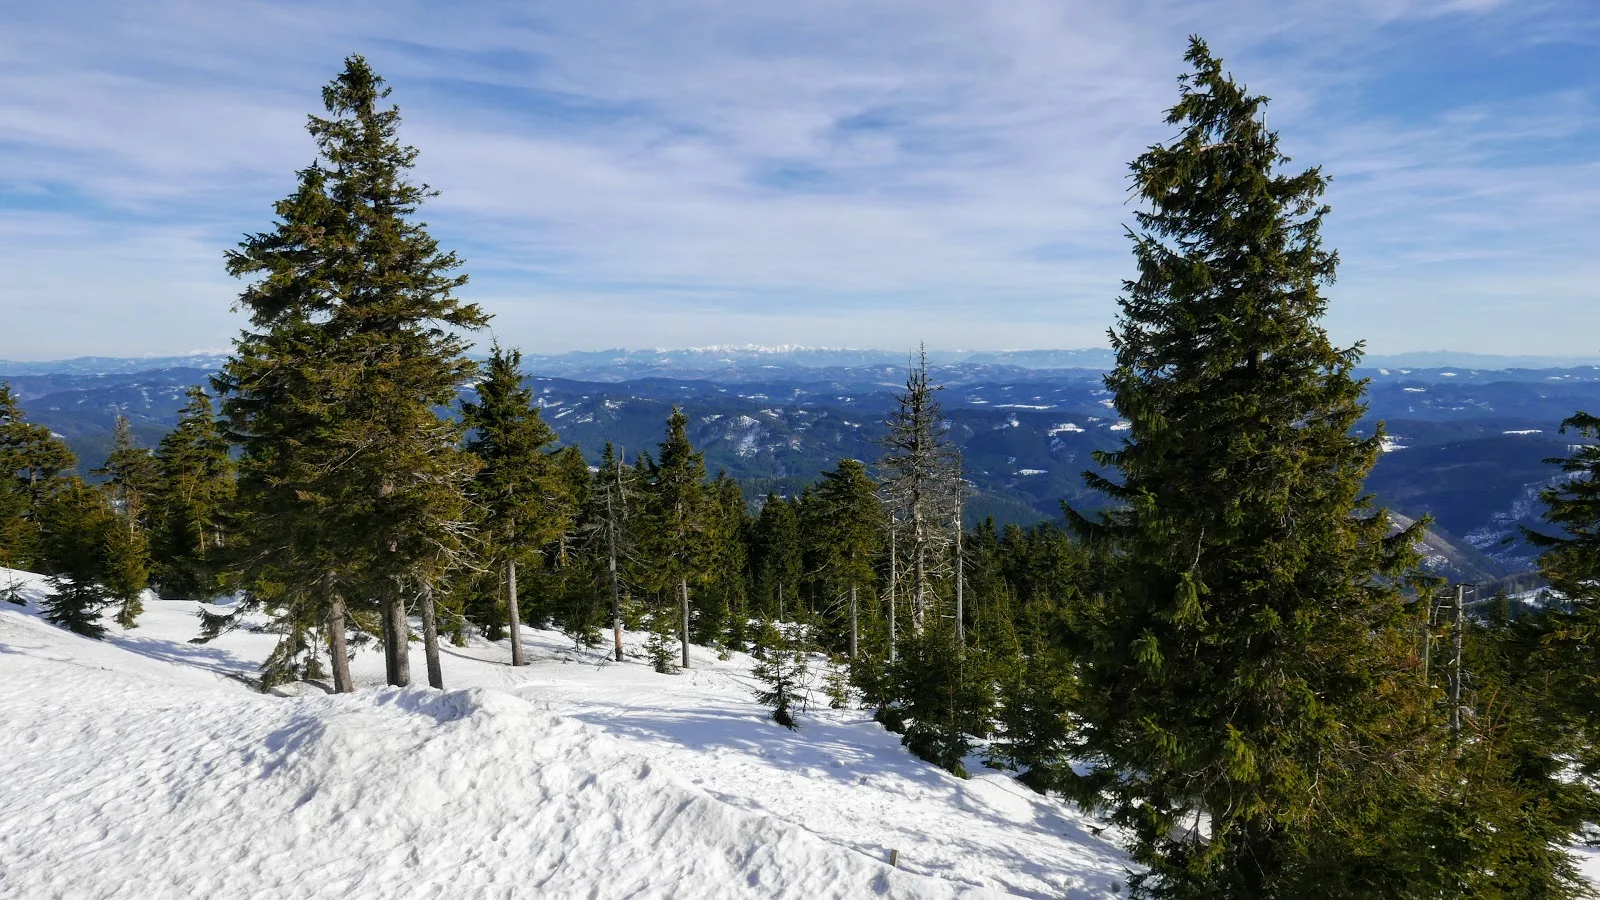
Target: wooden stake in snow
x,y
894,858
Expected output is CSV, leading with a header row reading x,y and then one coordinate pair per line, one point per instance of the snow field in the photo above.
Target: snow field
x,y
142,767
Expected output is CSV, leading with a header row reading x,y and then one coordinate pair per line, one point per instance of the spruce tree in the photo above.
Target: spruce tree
x,y
351,483
1245,671
33,463
77,525
846,528
516,489
781,666
131,479
677,532
604,521
658,647
195,487
1557,651
944,697
778,557
723,619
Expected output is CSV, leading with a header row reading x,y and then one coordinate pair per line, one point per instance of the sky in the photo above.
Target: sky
x,y
869,173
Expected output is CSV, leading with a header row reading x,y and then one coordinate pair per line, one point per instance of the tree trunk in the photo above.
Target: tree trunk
x,y
961,625
1458,620
894,587
683,622
338,653
919,573
514,613
430,639
616,607
396,640
853,631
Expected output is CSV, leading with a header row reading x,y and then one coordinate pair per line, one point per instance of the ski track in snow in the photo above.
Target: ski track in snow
x,y
141,767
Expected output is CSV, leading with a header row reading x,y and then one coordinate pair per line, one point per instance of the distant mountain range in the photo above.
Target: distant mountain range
x,y
1466,444
751,359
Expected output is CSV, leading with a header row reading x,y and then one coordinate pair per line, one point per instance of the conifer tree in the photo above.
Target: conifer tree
x,y
516,489
195,486
1037,697
944,696
658,647
678,529
76,524
1245,670
781,666
131,479
351,484
847,522
605,522
779,556
1509,807
918,475
723,617
32,466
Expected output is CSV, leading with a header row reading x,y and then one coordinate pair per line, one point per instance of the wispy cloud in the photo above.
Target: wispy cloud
x,y
844,173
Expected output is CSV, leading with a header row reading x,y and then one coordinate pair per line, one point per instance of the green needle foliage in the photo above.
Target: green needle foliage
x,y
519,498
1242,675
677,534
132,479
195,488
351,484
33,463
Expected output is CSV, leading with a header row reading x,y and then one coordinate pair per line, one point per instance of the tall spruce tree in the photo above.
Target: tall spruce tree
x,y
516,489
195,487
677,531
1238,682
351,483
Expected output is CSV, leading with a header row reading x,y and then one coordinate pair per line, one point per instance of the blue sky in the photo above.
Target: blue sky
x,y
864,173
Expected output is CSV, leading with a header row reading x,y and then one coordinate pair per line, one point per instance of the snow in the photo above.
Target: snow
x,y
1415,390
1391,443
1033,471
1122,425
1067,427
142,766
1525,431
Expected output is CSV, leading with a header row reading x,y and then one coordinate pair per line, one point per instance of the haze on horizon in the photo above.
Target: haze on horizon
x,y
850,175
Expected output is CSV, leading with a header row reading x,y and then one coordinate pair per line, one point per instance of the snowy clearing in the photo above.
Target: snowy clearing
x,y
142,766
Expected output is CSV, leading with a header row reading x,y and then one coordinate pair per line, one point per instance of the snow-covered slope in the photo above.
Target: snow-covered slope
x,y
142,767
